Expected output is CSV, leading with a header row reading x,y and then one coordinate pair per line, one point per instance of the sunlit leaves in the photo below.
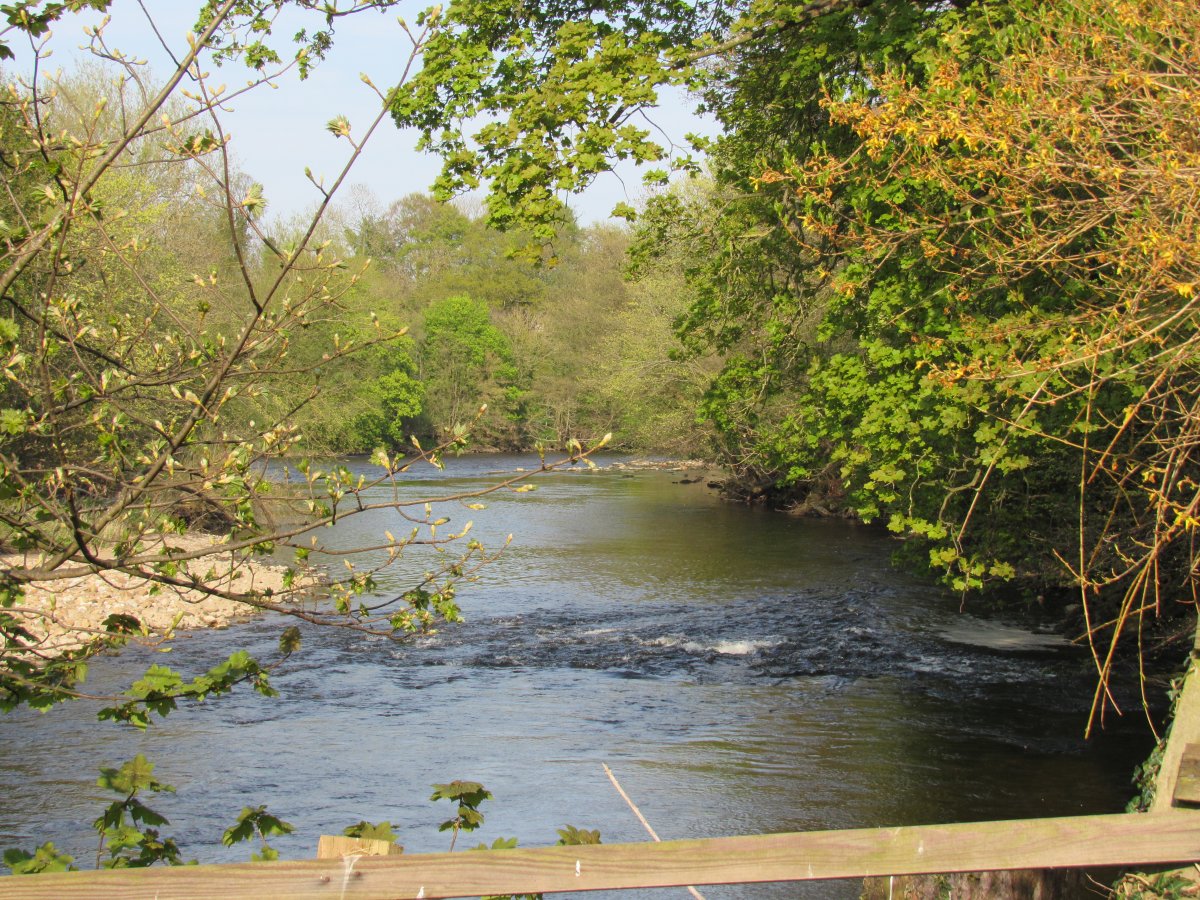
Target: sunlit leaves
x,y
468,796
289,640
161,688
253,202
46,858
557,92
252,822
128,828
369,831
339,126
999,238
570,836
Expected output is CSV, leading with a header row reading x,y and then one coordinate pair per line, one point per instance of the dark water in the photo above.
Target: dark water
x,y
740,671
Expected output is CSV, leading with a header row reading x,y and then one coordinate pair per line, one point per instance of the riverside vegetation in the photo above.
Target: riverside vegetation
x,y
939,271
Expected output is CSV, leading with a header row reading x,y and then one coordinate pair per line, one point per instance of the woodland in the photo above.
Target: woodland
x,y
938,273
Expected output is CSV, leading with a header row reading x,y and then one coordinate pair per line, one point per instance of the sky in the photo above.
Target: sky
x,y
277,133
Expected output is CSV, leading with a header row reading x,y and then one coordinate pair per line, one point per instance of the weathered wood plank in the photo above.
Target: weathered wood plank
x,y
1141,839
1187,780
336,846
1185,730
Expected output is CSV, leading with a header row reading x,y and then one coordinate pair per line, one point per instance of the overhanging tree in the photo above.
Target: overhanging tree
x,y
975,299
975,330
134,373
1019,232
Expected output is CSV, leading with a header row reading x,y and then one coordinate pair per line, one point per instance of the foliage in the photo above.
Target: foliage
x,y
256,822
570,836
161,688
120,386
652,387
579,352
45,858
137,400
445,250
753,307
396,403
369,831
150,313
944,275
129,835
557,86
468,795
468,363
128,828
1156,886
536,101
953,291
1017,263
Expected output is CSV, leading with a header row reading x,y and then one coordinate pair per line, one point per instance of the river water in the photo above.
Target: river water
x,y
740,671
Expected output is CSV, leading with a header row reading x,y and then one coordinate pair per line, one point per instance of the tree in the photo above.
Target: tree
x,y
136,399
121,376
984,331
401,399
1047,211
564,90
851,281
467,362
570,329
652,387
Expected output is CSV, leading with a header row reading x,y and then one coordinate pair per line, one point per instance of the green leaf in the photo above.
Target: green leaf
x,y
289,641
45,858
624,211
381,831
339,126
570,836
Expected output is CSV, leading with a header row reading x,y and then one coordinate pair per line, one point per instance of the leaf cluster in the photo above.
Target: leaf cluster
x,y
954,293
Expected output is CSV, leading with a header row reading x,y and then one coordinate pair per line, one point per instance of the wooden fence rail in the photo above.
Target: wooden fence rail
x,y
1147,839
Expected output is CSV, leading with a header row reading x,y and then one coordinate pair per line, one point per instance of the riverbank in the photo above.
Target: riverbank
x,y
64,615
634,464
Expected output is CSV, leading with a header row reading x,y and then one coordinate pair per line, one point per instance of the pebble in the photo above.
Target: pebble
x,y
64,614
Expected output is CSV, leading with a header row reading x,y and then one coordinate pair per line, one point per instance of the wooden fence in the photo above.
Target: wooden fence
x,y
1145,839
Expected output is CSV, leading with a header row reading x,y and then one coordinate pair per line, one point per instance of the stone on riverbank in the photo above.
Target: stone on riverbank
x,y
63,615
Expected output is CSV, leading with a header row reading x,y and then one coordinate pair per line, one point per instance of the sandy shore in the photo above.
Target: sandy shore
x,y
64,614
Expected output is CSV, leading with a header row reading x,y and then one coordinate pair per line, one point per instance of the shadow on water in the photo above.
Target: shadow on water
x,y
741,672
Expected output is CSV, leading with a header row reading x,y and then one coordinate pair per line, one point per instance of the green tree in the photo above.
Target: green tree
x,y
132,387
467,362
142,366
956,288
558,341
399,399
1016,237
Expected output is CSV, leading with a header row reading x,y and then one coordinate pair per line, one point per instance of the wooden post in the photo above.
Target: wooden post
x,y
336,846
1187,781
1185,730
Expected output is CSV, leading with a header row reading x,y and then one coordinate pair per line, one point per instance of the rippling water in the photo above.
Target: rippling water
x,y
740,671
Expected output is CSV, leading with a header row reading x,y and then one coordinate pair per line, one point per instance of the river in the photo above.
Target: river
x,y
739,670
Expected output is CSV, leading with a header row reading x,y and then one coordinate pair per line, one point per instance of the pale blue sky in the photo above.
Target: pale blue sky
x,y
276,133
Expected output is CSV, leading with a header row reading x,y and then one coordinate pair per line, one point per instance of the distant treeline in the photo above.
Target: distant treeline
x,y
557,347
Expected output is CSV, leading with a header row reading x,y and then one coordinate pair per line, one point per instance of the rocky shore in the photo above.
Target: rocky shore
x,y
64,614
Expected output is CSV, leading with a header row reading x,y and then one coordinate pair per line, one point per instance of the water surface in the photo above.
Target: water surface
x,y
740,671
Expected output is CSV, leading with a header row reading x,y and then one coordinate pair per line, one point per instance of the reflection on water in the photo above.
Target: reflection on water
x,y
740,671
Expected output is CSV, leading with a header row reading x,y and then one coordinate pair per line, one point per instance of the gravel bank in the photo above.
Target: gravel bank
x,y
64,614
